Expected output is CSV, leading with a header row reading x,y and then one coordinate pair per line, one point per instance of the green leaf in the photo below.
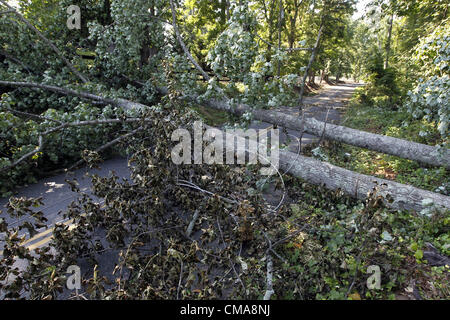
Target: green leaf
x,y
418,254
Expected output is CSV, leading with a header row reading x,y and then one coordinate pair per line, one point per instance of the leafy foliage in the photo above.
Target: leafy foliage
x,y
430,99
63,148
321,242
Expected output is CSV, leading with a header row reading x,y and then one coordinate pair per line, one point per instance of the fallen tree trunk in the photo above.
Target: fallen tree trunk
x,y
421,153
389,145
311,170
405,197
397,196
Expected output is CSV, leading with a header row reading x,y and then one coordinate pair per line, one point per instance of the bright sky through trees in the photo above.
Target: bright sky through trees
x,y
360,9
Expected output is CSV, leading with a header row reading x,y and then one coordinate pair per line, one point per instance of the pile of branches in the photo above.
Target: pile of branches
x,y
191,232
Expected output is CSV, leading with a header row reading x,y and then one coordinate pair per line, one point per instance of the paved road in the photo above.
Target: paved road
x,y
57,196
328,106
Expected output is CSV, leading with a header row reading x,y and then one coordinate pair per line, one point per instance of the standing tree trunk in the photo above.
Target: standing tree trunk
x,y
338,74
280,22
311,60
293,23
107,18
388,44
270,20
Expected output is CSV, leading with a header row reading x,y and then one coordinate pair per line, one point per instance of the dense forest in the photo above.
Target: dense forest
x,y
357,206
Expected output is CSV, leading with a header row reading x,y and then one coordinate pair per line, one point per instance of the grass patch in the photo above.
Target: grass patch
x,y
395,124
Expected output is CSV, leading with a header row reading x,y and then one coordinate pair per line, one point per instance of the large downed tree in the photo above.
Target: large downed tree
x,y
398,196
312,170
205,231
421,153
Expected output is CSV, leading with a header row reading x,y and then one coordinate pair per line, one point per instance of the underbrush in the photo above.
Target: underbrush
x,y
341,238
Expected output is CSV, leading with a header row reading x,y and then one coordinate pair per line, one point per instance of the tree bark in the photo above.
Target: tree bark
x,y
421,153
388,44
397,196
311,60
358,185
83,95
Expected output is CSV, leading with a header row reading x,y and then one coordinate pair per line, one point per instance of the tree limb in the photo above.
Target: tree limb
x,y
269,290
25,156
6,11
80,94
48,42
75,124
192,223
108,145
185,49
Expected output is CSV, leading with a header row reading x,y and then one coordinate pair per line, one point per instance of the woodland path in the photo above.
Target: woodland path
x,y
57,196
328,106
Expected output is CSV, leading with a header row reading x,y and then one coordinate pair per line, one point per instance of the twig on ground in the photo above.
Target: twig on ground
x,y
269,290
179,281
192,223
